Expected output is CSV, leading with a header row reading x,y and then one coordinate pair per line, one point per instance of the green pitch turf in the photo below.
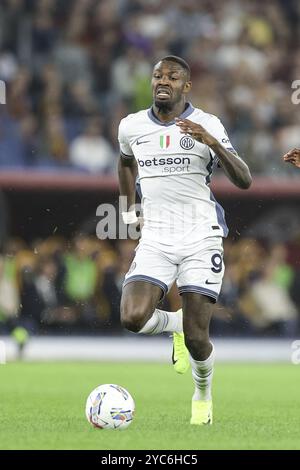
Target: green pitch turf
x,y
255,407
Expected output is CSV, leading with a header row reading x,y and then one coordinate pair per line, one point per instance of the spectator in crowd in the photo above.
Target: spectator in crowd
x,y
269,306
9,296
50,296
91,150
113,278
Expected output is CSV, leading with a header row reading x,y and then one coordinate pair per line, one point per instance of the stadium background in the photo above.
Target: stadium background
x,y
72,70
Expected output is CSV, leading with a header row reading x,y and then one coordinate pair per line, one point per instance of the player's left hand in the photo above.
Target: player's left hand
x,y
196,131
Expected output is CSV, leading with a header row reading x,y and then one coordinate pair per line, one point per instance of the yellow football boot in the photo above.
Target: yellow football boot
x,y
202,412
180,356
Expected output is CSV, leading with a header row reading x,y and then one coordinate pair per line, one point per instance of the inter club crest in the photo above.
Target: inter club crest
x,y
187,142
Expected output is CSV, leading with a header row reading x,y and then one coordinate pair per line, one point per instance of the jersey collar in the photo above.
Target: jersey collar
x,y
188,110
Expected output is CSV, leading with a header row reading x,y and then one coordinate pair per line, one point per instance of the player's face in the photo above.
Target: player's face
x,y
169,84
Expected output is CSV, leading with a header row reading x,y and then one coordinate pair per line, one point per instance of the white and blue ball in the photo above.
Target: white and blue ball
x,y
110,406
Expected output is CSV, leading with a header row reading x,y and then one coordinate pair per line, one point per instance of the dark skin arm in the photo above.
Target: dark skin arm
x,y
234,167
127,171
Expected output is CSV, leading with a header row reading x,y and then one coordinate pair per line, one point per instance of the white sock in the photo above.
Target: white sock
x,y
202,372
163,321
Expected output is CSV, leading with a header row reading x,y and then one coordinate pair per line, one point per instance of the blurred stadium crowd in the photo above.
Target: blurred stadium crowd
x,y
68,287
74,68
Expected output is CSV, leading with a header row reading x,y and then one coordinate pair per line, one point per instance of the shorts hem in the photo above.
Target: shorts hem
x,y
199,290
151,280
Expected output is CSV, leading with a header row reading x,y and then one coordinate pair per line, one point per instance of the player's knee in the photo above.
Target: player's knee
x,y
132,319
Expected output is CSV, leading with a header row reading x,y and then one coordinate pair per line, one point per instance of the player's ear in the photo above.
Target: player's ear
x,y
187,87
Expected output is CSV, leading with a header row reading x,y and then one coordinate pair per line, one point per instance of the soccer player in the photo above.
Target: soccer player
x,y
173,148
293,157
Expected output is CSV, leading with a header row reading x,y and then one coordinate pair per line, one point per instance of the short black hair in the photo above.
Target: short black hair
x,y
180,61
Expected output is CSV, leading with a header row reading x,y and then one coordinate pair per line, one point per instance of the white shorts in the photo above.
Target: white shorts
x,y
199,269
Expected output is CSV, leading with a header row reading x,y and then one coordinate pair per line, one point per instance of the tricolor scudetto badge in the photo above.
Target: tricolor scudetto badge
x,y
164,141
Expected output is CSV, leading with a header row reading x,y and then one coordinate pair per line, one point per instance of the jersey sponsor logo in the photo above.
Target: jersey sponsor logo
x,y
139,142
169,165
210,283
164,161
186,142
225,141
164,141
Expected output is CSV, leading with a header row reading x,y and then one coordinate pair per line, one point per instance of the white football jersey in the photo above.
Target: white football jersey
x,y
174,172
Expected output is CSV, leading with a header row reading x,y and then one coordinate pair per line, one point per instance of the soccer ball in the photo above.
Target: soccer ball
x,y
110,406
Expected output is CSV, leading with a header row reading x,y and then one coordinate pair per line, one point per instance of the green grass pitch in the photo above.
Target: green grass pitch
x,y
43,404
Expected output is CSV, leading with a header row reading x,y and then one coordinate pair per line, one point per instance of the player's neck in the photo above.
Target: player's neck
x,y
167,116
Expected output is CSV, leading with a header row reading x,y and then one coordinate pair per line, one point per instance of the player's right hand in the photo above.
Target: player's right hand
x,y
293,157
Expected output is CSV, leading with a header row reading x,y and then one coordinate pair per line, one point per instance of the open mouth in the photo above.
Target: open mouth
x,y
163,93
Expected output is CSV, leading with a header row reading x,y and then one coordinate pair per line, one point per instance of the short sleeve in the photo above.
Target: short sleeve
x,y
219,132
125,147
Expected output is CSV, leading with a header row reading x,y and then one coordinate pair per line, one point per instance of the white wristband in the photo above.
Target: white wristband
x,y
129,217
